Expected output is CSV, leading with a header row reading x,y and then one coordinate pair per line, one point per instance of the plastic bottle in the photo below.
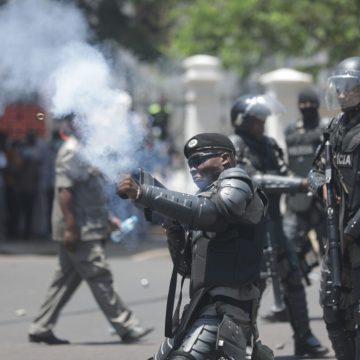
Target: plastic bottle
x,y
126,227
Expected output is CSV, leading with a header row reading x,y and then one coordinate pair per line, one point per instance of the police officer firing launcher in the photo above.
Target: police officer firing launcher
x,y
212,241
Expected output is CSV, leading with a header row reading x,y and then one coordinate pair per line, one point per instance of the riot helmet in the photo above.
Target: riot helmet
x,y
250,109
343,88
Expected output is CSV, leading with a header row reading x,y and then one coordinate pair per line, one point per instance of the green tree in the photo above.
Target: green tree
x,y
141,26
255,33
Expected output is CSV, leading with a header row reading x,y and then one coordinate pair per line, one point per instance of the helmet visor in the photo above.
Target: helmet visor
x,y
343,90
263,106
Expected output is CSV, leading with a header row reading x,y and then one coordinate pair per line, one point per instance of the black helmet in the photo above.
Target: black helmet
x,y
343,88
308,95
247,108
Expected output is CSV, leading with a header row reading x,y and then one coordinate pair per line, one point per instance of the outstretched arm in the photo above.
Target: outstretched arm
x,y
214,213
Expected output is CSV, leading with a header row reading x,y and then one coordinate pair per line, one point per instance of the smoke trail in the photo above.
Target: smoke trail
x,y
45,50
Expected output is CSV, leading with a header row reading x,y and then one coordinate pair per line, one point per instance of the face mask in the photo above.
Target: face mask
x,y
310,116
203,183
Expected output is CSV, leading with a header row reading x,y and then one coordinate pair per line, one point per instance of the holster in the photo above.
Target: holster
x,y
231,340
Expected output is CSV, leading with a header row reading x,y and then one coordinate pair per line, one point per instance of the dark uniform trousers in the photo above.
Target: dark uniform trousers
x,y
291,280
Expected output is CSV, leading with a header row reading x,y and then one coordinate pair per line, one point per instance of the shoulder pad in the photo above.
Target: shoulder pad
x,y
335,121
238,174
234,172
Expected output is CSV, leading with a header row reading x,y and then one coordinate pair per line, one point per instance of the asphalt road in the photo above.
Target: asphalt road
x,y
24,279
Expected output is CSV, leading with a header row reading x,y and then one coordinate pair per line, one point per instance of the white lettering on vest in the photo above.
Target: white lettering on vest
x,y
344,160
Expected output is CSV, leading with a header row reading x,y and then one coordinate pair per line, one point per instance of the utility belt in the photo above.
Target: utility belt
x,y
245,305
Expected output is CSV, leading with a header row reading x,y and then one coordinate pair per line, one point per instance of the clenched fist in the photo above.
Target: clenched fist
x,y
128,188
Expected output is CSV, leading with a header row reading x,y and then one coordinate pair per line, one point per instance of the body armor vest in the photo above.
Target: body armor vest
x,y
264,156
229,258
346,151
301,157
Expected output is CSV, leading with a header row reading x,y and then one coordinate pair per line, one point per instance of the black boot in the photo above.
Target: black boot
x,y
306,344
309,346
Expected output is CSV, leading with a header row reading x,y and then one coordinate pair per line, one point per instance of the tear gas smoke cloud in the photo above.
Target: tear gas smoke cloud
x,y
45,51
82,84
31,34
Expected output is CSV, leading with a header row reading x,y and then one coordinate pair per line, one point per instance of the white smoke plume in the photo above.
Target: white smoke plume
x,y
31,34
45,51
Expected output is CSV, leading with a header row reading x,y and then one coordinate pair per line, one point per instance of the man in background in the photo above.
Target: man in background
x,y
80,223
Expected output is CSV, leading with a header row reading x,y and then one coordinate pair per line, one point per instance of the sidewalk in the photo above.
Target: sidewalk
x,y
48,247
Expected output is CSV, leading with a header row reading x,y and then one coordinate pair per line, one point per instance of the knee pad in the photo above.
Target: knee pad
x,y
231,341
164,350
200,341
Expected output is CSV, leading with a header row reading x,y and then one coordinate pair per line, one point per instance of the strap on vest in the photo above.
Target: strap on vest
x,y
171,318
171,297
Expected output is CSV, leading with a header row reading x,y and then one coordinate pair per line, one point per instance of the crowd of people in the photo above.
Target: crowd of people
x,y
26,186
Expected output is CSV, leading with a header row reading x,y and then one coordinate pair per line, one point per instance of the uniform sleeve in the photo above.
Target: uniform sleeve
x,y
202,212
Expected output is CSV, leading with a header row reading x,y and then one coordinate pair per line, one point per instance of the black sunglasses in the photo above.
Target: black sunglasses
x,y
199,158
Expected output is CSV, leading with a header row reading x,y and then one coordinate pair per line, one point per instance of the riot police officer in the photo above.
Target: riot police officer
x,y
343,317
304,212
212,240
263,159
